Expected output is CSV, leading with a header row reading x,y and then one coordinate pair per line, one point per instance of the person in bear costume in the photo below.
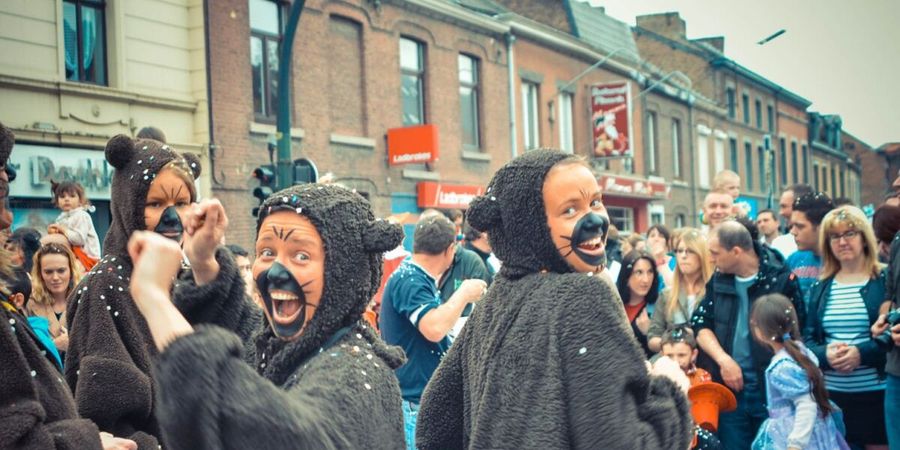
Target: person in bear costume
x,y
319,377
108,365
548,359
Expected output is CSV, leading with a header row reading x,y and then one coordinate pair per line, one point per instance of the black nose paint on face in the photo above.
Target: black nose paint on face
x,y
278,278
588,227
170,224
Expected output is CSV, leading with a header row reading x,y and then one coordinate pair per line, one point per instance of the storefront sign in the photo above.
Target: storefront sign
x,y
611,119
37,165
446,196
633,187
412,145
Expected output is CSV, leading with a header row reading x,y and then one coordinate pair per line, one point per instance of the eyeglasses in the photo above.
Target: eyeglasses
x,y
847,236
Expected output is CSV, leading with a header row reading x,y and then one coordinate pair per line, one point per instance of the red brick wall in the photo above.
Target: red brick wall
x,y
548,12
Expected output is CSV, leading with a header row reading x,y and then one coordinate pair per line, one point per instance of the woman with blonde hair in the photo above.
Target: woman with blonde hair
x,y
54,275
842,307
692,270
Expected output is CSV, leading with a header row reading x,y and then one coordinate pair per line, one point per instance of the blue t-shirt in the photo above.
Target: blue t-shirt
x,y
806,265
740,350
41,328
409,294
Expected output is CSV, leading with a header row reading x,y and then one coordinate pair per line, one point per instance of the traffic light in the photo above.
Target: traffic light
x,y
266,176
305,171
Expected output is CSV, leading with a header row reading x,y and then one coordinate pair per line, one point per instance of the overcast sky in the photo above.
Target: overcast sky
x,y
843,56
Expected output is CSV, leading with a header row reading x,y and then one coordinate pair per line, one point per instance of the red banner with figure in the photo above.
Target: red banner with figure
x,y
611,119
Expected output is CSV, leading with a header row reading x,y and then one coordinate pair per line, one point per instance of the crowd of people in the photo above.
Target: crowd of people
x,y
529,321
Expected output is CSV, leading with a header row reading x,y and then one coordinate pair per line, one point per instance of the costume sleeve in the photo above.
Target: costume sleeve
x,y
222,302
21,411
439,424
658,322
210,399
790,380
110,388
610,397
704,315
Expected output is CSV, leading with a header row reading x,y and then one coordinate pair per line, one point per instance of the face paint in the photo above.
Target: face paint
x,y
170,224
284,300
589,238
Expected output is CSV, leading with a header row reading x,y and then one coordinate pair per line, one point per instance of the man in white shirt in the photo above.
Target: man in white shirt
x,y
785,243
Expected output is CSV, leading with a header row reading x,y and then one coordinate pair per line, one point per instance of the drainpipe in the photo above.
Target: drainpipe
x,y
510,61
691,140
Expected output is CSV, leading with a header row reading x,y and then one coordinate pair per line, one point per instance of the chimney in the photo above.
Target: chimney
x,y
667,24
718,42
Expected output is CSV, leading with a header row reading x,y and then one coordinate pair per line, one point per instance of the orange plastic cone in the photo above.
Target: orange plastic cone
x,y
708,399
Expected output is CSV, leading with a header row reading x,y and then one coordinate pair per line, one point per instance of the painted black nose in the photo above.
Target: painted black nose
x,y
170,218
278,276
596,223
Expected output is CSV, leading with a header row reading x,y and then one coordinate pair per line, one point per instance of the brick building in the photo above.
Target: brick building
x,y
834,172
360,68
865,190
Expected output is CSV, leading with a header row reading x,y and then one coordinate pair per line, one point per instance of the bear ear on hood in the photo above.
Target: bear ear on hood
x,y
381,236
484,213
193,162
120,151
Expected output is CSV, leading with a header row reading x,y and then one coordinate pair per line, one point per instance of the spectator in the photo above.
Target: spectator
x,y
692,271
638,286
19,286
413,315
244,266
843,305
729,182
54,275
658,238
717,206
477,242
747,270
808,211
767,223
23,243
785,243
841,201
635,242
151,132
886,224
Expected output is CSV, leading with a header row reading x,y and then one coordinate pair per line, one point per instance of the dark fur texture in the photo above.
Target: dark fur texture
x,y
547,359
7,140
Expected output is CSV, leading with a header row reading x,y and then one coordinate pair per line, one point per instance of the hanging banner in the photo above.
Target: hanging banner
x,y
611,119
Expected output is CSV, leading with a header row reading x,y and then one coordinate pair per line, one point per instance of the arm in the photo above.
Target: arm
x,y
435,323
77,228
659,322
440,421
804,420
810,328
793,384
702,322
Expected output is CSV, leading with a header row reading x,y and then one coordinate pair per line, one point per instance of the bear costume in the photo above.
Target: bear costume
x,y
547,359
331,387
108,365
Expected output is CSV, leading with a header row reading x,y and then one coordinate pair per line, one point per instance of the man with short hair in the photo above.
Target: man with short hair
x,y
785,243
807,213
767,224
413,315
717,206
746,271
477,241
244,265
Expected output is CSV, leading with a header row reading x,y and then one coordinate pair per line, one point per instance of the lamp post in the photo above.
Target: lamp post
x,y
285,176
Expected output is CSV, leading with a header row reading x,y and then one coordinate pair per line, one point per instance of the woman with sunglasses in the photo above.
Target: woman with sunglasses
x,y
692,270
843,305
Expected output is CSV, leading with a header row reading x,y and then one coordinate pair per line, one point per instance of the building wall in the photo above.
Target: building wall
x,y
792,127
871,187
339,120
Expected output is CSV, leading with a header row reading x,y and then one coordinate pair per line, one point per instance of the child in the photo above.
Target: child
x,y
679,345
74,222
729,182
800,415
18,284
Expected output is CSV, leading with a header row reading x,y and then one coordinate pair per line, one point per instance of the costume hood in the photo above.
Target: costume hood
x,y
512,213
137,162
354,242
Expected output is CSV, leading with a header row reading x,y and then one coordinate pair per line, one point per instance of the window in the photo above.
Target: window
x,y
84,33
703,159
824,178
746,100
794,171
748,165
651,142
468,101
719,149
265,43
412,83
842,183
729,95
758,107
622,218
805,165
566,129
656,218
782,147
834,188
732,145
679,220
530,115
763,175
770,114
676,148
816,176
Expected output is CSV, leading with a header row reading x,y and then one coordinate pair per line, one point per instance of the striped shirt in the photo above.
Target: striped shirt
x,y
847,320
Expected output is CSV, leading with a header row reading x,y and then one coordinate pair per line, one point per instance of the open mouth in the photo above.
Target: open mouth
x,y
285,307
593,247
173,235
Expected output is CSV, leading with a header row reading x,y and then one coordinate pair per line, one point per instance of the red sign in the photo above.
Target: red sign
x,y
409,145
631,187
446,196
611,119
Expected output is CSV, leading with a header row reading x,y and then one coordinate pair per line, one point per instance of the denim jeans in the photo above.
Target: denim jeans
x,y
738,428
892,411
410,414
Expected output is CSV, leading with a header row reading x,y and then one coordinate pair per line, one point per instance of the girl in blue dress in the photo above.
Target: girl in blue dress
x,y
800,415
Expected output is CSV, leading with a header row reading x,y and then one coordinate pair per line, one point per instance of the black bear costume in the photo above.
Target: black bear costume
x,y
108,365
331,387
547,360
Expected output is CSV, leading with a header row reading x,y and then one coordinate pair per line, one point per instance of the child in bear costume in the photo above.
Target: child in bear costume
x,y
548,359
320,377
108,365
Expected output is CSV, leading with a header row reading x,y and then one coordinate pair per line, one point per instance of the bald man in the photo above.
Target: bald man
x,y
717,206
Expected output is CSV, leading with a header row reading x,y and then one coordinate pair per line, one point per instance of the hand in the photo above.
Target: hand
x,y
472,290
895,334
205,227
62,341
110,442
834,351
666,367
643,321
55,228
848,361
658,250
879,327
731,374
156,263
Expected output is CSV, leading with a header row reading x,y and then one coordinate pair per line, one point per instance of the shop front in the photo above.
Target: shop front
x,y
628,201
